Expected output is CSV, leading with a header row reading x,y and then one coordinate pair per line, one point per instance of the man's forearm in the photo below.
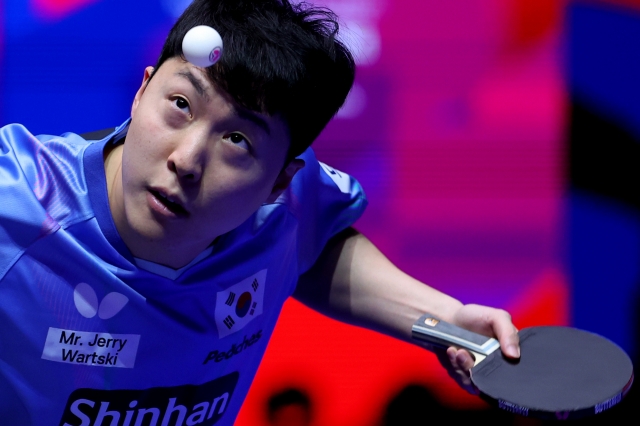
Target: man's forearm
x,y
354,282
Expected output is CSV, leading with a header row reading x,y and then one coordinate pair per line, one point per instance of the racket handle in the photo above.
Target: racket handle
x,y
440,333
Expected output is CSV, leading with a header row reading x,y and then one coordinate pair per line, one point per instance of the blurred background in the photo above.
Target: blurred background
x,y
497,141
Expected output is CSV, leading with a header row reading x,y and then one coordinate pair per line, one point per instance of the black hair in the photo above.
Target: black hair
x,y
278,58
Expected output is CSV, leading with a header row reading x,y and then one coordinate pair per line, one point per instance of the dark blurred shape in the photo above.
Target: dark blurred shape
x,y
413,405
604,155
289,407
416,405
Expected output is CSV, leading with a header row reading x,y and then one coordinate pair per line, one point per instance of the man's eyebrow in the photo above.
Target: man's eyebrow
x,y
243,113
246,114
195,82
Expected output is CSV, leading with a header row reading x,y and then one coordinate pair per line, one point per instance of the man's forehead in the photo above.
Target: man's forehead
x,y
201,87
177,68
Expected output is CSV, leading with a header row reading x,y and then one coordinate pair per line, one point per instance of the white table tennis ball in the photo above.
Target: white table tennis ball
x,y
202,46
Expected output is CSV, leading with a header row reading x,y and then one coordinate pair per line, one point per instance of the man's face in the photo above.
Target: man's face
x,y
193,166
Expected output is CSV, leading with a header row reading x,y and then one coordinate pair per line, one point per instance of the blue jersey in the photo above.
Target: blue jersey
x,y
90,335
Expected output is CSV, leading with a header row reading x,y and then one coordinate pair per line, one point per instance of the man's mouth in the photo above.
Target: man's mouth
x,y
172,206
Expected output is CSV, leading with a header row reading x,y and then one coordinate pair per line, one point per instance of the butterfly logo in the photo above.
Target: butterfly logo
x,y
86,301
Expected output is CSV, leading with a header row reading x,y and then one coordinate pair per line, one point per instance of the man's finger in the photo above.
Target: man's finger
x,y
461,363
464,360
452,355
507,334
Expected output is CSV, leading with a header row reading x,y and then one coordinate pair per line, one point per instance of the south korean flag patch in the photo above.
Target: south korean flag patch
x,y
239,304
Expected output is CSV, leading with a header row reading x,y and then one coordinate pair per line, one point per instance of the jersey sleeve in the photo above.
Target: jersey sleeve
x,y
327,201
38,187
22,218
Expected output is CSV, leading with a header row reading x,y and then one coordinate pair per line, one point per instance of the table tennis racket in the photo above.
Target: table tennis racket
x,y
563,372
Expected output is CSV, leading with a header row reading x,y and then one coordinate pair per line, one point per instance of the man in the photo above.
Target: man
x,y
142,274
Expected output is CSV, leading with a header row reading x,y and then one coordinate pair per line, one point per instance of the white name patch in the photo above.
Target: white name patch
x,y
91,348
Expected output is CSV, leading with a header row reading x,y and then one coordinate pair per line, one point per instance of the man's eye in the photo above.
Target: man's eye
x,y
238,139
182,104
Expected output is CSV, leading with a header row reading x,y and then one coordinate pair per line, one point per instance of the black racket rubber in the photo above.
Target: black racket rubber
x,y
563,373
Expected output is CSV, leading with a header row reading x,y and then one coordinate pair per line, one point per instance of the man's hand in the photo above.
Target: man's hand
x,y
483,320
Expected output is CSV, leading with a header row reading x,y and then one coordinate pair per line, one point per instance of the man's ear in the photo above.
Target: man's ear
x,y
148,71
284,179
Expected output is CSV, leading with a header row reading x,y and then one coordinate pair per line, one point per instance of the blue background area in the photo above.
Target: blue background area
x,y
604,233
39,88
605,250
604,60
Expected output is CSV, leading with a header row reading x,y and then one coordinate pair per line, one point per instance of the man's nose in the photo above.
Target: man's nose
x,y
187,160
